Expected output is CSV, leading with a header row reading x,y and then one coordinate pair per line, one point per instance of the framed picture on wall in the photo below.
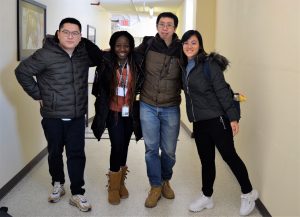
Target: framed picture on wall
x,y
91,33
31,27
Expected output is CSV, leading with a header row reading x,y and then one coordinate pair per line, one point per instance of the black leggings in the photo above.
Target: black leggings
x,y
213,133
120,130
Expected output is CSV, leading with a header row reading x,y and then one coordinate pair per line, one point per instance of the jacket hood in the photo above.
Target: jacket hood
x,y
175,39
219,59
50,40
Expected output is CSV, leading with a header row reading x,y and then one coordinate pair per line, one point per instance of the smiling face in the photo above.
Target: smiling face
x,y
69,37
122,48
166,28
191,47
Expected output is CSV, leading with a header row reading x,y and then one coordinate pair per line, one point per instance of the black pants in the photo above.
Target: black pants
x,y
70,134
120,130
217,133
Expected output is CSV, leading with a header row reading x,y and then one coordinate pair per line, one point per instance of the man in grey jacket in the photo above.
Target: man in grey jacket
x,y
61,86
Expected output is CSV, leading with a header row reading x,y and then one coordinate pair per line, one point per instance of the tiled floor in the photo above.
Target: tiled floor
x,y
29,197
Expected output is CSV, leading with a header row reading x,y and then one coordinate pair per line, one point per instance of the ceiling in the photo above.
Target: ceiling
x,y
139,7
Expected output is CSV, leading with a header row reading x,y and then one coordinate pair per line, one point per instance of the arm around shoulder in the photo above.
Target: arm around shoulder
x,y
94,52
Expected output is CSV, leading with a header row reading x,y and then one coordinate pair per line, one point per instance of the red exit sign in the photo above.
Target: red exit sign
x,y
124,22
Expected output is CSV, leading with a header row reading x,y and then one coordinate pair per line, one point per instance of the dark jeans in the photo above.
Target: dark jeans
x,y
120,130
213,133
70,134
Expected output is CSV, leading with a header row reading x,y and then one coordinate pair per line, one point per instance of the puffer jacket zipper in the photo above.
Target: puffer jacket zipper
x,y
222,121
74,87
187,79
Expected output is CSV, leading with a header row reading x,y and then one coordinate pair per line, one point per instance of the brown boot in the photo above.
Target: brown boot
x,y
167,191
123,190
153,197
113,187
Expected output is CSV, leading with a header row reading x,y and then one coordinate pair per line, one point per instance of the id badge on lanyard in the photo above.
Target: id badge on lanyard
x,y
122,90
125,111
122,87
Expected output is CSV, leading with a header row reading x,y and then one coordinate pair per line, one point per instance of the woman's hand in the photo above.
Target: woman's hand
x,y
234,127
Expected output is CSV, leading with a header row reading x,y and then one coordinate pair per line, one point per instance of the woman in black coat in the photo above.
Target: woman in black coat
x,y
118,80
210,107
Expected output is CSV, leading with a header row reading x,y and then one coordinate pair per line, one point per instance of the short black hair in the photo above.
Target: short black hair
x,y
118,34
168,14
69,20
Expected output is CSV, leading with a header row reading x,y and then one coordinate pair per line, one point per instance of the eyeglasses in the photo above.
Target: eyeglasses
x,y
68,33
165,25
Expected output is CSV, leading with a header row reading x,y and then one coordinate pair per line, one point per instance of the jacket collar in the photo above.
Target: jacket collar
x,y
174,38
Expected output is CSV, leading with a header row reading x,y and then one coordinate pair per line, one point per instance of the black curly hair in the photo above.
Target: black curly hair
x,y
114,37
112,42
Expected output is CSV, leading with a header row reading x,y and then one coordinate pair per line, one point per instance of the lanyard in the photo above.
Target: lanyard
x,y
122,83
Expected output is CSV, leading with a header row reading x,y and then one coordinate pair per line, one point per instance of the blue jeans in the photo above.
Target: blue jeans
x,y
160,126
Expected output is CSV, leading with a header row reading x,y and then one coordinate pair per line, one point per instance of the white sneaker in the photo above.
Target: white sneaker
x,y
81,202
57,192
248,202
201,203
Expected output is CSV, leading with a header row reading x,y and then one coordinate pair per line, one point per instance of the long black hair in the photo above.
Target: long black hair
x,y
112,43
186,37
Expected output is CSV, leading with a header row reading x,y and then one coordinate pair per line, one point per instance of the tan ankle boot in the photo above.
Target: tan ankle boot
x,y
167,191
153,197
123,190
113,187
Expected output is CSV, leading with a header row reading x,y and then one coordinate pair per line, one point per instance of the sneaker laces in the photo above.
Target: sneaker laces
x,y
56,188
203,197
247,198
82,198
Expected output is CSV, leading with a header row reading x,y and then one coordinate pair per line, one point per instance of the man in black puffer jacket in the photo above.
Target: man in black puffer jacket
x,y
61,86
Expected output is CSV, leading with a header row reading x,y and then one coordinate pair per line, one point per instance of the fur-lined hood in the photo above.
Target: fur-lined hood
x,y
213,57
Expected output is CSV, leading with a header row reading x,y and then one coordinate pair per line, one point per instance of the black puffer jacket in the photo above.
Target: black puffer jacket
x,y
208,98
102,88
61,80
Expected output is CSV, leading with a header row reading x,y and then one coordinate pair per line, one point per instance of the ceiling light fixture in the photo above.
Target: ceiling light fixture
x,y
95,2
151,11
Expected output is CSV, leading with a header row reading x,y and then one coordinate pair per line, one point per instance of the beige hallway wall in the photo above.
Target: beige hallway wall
x,y
262,41
206,22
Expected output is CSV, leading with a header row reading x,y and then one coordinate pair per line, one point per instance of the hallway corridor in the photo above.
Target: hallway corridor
x,y
29,197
